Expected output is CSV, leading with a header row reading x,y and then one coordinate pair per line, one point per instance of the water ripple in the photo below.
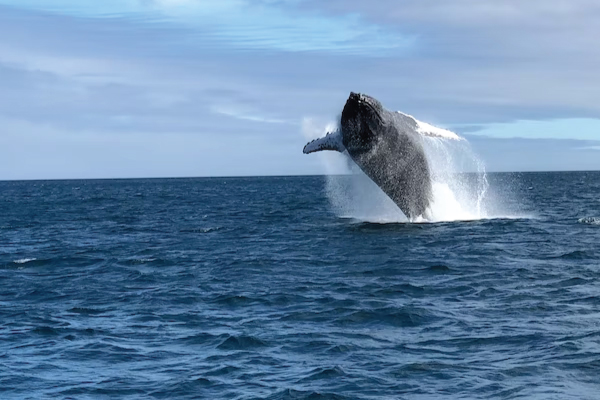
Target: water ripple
x,y
252,288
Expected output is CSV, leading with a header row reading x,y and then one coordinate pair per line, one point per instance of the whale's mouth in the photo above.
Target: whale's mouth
x,y
365,107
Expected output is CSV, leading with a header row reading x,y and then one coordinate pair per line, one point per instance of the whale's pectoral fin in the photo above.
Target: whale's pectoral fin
x,y
331,141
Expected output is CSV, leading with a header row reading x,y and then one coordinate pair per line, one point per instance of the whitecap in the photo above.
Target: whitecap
x,y
24,260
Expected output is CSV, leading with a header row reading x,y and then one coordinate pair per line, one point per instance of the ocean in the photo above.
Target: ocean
x,y
271,288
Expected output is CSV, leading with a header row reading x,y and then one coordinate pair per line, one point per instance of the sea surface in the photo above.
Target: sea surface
x,y
255,288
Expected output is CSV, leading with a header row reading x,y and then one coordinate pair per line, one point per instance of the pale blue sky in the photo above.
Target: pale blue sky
x,y
141,88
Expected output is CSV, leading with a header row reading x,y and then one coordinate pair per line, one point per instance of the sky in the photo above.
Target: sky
x,y
174,88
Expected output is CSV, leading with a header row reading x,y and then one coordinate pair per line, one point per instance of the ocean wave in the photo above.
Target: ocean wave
x,y
324,373
438,269
86,311
141,261
404,317
575,255
291,394
198,339
224,370
45,331
240,343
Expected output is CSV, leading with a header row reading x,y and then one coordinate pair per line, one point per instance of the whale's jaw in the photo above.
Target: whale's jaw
x,y
361,122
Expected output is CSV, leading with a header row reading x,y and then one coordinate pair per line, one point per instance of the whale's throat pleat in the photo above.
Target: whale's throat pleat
x,y
332,141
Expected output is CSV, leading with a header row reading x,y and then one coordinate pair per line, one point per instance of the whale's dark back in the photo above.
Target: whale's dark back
x,y
389,152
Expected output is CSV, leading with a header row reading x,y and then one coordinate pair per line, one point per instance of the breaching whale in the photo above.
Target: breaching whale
x,y
388,147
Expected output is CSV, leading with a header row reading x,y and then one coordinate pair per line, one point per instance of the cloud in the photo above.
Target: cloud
x,y
494,61
150,82
232,111
243,24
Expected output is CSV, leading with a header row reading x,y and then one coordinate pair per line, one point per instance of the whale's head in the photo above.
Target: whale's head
x,y
362,120
362,124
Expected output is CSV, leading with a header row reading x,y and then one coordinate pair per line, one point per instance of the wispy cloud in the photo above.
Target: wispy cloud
x,y
244,24
232,111
570,128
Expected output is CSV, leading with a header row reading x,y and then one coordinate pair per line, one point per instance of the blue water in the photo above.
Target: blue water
x,y
253,288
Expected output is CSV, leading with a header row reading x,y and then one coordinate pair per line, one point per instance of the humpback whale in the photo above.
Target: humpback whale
x,y
388,148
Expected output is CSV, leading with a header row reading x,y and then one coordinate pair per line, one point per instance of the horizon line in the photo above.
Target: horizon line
x,y
257,176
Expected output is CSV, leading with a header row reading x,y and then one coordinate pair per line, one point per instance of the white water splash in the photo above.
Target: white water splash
x,y
459,182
